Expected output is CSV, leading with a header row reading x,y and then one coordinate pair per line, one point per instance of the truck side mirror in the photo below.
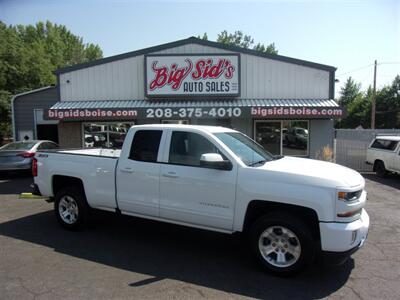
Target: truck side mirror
x,y
215,161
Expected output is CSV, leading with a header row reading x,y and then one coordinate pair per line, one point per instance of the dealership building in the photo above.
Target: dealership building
x,y
285,104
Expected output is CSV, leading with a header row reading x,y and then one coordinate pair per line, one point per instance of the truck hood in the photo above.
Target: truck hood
x,y
316,172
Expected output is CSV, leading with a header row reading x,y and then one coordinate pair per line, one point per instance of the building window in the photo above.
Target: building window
x,y
185,122
295,138
268,135
215,122
283,137
105,135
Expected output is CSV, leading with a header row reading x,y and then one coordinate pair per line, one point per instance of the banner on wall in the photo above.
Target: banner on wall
x,y
255,112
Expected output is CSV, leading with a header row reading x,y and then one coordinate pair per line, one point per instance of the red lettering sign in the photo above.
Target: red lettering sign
x,y
172,76
177,75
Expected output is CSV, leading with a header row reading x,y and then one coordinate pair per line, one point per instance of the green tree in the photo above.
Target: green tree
x,y
29,55
349,92
238,38
204,37
5,120
359,106
359,111
388,105
266,49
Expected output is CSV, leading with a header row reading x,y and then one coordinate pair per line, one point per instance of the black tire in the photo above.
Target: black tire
x,y
78,196
380,169
297,227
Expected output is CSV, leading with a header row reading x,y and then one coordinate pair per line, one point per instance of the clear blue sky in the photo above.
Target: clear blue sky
x,y
344,34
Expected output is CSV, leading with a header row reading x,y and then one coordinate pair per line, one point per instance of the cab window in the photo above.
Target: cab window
x,y
384,144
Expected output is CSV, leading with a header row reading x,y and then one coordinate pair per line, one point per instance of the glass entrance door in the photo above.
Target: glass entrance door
x,y
268,135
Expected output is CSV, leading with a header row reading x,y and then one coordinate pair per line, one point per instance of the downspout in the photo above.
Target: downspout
x,y
13,117
12,107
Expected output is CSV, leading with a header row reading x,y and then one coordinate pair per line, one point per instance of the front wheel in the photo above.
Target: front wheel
x,y
380,169
282,243
71,208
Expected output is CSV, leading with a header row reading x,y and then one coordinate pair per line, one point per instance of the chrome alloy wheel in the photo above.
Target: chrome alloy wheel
x,y
279,246
68,209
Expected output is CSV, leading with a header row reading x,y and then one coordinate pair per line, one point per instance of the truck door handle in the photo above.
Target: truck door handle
x,y
170,175
101,170
127,170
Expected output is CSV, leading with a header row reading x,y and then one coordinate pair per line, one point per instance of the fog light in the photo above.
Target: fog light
x,y
354,236
349,214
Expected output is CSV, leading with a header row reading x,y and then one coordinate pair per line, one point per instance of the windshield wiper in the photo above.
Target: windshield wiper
x,y
263,161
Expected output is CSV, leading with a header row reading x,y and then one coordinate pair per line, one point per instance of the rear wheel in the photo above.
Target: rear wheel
x,y
282,243
380,169
71,208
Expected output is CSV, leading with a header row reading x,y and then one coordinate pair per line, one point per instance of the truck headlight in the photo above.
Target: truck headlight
x,y
349,196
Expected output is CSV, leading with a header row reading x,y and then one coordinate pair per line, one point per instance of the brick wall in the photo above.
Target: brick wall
x,y
70,134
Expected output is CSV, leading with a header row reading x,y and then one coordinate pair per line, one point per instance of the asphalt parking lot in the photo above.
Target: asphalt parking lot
x,y
125,257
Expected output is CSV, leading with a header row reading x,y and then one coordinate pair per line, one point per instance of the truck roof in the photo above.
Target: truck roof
x,y
388,137
211,129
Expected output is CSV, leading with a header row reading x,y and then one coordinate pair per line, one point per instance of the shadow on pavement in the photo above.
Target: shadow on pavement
x,y
391,180
161,250
15,183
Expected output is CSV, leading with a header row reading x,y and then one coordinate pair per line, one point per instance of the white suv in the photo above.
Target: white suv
x,y
384,154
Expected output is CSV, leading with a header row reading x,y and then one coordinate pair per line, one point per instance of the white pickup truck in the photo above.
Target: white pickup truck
x,y
218,179
384,155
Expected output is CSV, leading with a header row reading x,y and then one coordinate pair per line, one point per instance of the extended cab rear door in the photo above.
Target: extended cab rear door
x,y
191,193
138,173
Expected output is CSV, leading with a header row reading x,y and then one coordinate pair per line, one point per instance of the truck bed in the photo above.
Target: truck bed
x,y
94,167
90,152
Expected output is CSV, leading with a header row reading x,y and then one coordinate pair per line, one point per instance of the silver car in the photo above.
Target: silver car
x,y
18,155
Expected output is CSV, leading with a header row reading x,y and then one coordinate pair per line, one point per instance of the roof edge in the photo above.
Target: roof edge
x,y
123,56
82,104
194,40
262,54
34,91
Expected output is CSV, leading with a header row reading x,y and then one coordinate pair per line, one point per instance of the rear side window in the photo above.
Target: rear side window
x,y
47,145
145,145
384,144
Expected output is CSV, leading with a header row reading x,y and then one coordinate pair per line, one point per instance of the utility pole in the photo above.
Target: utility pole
x,y
373,100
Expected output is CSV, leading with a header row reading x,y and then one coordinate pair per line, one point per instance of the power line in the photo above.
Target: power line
x,y
358,69
390,63
364,67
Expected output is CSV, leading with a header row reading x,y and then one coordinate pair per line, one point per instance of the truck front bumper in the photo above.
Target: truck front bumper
x,y
340,240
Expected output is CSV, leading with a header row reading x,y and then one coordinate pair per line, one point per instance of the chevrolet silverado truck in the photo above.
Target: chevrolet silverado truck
x,y
214,178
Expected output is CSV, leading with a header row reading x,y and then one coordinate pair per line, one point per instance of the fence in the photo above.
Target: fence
x,y
351,146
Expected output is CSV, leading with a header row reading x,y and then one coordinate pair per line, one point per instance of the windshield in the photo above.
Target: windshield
x,y
245,148
18,146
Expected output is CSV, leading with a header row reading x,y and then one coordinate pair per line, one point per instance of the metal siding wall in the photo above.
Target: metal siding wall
x,y
351,146
119,80
261,78
265,78
24,108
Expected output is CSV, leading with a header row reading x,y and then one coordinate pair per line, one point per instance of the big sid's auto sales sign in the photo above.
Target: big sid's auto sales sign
x,y
194,75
